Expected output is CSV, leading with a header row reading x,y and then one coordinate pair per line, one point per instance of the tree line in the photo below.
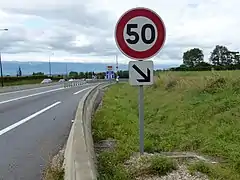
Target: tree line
x,y
220,59
99,75
71,74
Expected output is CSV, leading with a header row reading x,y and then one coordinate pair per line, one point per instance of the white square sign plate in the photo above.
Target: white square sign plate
x,y
140,73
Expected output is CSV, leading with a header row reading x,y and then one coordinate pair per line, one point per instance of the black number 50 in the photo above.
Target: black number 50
x,y
130,32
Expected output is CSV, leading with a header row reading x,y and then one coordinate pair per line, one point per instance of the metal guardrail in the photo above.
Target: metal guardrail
x,y
74,83
80,82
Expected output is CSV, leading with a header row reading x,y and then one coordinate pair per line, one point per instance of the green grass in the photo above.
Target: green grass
x,y
161,165
213,171
184,111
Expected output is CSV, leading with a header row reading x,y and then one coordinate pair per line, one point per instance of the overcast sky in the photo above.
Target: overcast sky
x,y
83,31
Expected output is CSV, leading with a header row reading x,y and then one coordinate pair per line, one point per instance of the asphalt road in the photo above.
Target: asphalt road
x,y
34,126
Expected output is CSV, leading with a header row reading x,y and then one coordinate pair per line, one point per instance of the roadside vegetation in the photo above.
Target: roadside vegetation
x,y
53,173
184,111
55,169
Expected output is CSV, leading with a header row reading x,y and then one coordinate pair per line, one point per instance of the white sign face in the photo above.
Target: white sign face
x,y
140,73
140,33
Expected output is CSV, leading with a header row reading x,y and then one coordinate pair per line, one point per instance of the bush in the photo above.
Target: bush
x,y
109,169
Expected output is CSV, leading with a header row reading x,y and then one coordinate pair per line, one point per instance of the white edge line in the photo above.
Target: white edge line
x,y
22,97
82,90
30,89
9,128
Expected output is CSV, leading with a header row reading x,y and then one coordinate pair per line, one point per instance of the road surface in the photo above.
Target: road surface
x,y
34,126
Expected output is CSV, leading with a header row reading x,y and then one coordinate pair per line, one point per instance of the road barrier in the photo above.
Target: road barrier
x,y
66,84
74,83
81,82
80,159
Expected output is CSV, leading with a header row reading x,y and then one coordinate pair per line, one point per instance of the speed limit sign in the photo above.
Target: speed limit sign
x,y
140,33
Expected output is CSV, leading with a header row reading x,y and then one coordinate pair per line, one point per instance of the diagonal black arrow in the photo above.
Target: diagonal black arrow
x,y
146,78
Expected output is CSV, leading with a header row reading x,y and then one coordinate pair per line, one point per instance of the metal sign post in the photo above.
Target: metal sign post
x,y
140,34
141,119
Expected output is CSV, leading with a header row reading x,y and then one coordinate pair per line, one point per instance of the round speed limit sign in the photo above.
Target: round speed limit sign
x,y
140,33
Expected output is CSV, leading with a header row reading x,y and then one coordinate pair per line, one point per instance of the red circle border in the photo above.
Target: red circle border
x,y
141,55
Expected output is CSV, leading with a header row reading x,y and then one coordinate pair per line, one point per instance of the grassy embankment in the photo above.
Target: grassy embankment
x,y
184,111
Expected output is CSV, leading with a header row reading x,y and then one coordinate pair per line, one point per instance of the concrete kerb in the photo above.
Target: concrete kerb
x,y
79,161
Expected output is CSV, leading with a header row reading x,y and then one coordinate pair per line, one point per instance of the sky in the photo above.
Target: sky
x,y
83,30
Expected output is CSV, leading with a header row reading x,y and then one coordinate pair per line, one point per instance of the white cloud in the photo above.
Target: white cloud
x,y
84,30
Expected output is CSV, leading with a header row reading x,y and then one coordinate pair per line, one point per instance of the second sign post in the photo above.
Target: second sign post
x,y
140,34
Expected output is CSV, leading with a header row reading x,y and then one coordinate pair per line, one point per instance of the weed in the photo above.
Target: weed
x,y
54,173
200,167
109,169
214,171
162,165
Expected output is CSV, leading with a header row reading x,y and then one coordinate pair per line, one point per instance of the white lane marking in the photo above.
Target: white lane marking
x,y
27,90
23,97
9,128
82,90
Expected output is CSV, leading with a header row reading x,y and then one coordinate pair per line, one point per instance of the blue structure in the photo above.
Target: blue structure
x,y
110,75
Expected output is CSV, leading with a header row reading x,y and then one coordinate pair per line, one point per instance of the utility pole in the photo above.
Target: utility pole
x,y
66,71
1,62
117,68
50,65
117,64
1,69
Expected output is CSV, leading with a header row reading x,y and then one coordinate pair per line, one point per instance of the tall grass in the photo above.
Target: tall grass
x,y
184,111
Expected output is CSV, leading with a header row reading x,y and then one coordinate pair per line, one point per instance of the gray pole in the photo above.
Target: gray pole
x,y
1,69
116,65
1,61
49,66
66,71
141,119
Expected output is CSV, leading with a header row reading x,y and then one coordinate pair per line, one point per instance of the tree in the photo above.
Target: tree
x,y
86,75
81,75
203,66
123,74
221,56
193,57
235,57
38,74
73,74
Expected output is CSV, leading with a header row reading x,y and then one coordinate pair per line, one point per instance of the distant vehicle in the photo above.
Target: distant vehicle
x,y
46,81
61,80
70,80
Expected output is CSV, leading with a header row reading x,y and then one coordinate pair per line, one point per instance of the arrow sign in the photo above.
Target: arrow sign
x,y
138,75
147,77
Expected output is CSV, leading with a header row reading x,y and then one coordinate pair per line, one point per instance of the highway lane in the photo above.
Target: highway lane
x,y
34,128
